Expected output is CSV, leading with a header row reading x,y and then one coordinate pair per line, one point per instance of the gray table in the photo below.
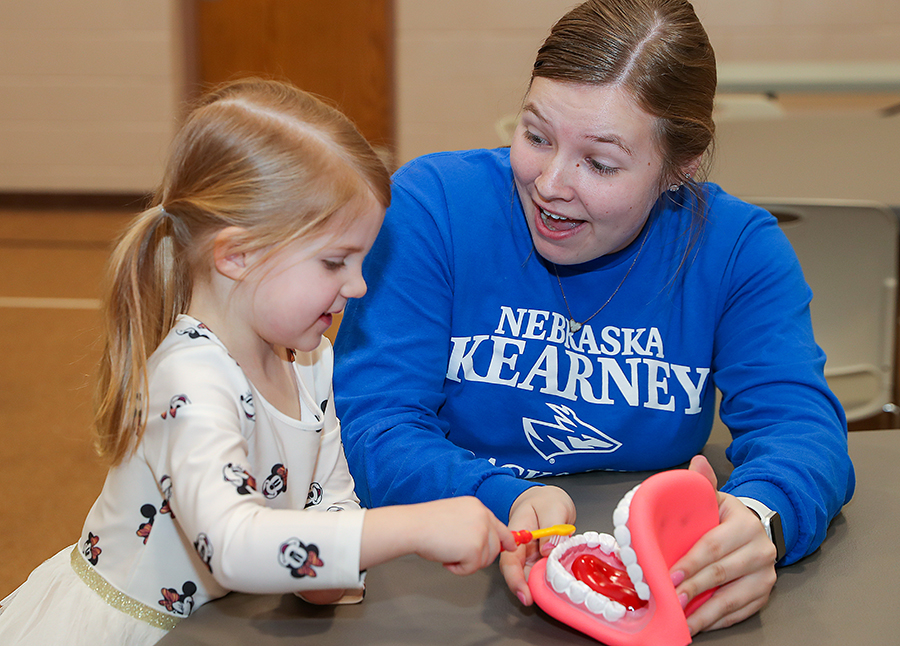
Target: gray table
x,y
846,593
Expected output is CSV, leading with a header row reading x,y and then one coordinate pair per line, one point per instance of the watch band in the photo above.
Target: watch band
x,y
771,522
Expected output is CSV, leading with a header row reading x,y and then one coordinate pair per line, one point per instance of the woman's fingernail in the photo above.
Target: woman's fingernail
x,y
521,596
683,600
677,577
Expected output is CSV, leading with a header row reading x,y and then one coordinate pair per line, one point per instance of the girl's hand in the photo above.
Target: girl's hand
x,y
461,533
322,597
737,556
534,508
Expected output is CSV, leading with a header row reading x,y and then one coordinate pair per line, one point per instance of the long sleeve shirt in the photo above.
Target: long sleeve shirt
x,y
224,492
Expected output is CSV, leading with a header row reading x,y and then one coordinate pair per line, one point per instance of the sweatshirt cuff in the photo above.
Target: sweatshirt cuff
x,y
499,492
775,499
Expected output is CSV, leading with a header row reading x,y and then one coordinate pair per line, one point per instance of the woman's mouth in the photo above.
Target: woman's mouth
x,y
556,222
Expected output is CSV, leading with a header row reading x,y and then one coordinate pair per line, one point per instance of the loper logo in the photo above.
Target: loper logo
x,y
566,435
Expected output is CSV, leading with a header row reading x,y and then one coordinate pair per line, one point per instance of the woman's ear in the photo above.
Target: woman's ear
x,y
228,261
690,169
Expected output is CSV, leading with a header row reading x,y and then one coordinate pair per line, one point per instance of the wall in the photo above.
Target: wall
x,y
89,93
461,66
90,89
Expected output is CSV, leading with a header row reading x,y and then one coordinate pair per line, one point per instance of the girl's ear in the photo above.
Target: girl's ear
x,y
229,262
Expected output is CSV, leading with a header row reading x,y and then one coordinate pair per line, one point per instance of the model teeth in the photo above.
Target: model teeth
x,y
563,582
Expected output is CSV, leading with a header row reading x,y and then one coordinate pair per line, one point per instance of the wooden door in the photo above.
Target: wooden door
x,y
340,49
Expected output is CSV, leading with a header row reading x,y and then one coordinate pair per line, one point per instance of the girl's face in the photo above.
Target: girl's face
x,y
587,169
297,291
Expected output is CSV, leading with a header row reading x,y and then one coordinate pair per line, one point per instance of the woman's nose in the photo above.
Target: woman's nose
x,y
554,180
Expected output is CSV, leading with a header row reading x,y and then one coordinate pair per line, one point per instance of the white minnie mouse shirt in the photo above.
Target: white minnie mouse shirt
x,y
223,490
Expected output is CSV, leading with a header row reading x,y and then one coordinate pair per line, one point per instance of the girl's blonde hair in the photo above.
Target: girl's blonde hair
x,y
256,154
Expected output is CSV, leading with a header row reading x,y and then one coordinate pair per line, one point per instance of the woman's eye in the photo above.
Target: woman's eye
x,y
533,139
602,169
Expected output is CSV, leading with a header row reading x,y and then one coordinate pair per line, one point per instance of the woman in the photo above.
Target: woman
x,y
572,304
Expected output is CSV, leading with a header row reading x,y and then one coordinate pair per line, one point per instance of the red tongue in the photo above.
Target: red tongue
x,y
606,579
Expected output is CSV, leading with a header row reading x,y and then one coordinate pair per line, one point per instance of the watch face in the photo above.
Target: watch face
x,y
776,533
771,521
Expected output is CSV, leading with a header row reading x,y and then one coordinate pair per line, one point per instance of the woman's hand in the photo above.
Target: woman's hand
x,y
534,508
737,556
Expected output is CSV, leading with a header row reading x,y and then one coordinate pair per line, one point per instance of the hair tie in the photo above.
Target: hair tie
x,y
169,223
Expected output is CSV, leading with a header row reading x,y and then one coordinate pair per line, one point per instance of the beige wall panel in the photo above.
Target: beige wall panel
x,y
95,101
89,94
89,157
462,66
117,54
79,15
485,15
817,156
85,144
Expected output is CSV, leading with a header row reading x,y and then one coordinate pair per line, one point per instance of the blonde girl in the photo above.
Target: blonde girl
x,y
215,407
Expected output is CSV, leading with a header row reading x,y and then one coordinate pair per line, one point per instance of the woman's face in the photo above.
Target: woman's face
x,y
587,169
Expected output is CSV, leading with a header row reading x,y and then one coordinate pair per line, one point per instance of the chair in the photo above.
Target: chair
x,y
849,254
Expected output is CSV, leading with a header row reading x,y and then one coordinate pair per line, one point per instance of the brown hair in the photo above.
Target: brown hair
x,y
659,52
256,154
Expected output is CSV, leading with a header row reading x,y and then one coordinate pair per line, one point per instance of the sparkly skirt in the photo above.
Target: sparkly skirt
x,y
59,605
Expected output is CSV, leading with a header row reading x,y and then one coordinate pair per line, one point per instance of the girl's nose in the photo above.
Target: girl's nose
x,y
355,287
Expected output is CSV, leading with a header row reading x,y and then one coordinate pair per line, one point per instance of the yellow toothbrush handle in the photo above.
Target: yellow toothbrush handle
x,y
556,530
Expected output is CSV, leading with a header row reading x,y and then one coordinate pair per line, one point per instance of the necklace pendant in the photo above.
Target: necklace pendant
x,y
574,326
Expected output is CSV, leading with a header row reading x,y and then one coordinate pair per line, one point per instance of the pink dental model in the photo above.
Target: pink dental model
x,y
618,590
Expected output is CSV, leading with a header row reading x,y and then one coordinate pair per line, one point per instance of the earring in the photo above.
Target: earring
x,y
674,187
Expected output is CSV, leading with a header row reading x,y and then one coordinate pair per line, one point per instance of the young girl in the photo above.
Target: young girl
x,y
214,401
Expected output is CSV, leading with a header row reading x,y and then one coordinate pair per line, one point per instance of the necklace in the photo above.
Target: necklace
x,y
574,325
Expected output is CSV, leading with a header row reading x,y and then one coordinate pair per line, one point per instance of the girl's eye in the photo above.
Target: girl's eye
x,y
333,265
602,169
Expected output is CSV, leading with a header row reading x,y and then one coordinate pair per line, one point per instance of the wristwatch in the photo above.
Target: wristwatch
x,y
771,521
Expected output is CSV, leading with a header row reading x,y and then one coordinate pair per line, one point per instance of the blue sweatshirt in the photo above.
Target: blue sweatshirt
x,y
456,373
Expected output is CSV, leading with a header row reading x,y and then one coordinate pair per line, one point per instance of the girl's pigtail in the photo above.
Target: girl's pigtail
x,y
148,288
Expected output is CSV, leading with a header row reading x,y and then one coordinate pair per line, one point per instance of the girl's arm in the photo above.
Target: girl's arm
x,y
201,451
461,533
